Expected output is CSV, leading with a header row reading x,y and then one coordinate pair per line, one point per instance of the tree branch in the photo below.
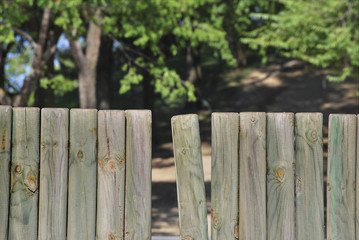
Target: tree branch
x,y
25,35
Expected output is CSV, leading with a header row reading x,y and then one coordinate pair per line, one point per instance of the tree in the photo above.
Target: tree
x,y
17,19
323,33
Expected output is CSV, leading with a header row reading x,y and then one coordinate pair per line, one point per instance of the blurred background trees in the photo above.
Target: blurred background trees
x,y
87,53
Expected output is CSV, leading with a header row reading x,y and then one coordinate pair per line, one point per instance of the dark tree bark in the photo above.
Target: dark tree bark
x,y
104,74
46,97
194,70
240,54
87,63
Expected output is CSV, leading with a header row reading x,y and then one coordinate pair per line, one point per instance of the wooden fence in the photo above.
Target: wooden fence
x,y
73,173
267,177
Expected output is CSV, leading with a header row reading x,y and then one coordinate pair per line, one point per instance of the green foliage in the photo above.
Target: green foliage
x,y
324,33
59,84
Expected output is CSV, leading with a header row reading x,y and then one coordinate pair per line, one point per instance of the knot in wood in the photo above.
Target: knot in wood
x,y
280,173
216,221
18,169
184,151
80,154
111,237
314,134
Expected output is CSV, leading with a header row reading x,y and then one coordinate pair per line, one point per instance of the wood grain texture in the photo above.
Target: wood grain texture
x,y
309,176
24,174
252,189
53,173
111,175
138,175
190,180
224,187
82,174
357,184
5,128
341,177
280,176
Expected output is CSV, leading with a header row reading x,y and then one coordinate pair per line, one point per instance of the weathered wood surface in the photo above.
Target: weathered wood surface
x,y
224,186
138,175
252,190
82,174
280,176
357,184
309,176
190,180
341,177
53,174
111,175
24,174
5,127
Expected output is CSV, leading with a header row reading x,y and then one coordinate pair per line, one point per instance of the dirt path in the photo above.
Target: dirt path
x,y
267,89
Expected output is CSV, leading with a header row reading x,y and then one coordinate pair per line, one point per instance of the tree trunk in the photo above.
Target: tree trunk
x,y
87,63
46,97
104,74
193,62
241,56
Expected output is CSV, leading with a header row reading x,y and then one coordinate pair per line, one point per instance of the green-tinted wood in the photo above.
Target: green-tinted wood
x,y
111,175
82,174
341,177
309,176
53,174
357,184
224,187
280,176
5,128
138,175
252,190
24,174
190,180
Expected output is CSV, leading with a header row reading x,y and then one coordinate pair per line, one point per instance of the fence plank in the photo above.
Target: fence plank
x,y
309,176
225,135
138,175
190,179
252,190
280,176
53,173
341,177
82,174
5,126
24,174
111,175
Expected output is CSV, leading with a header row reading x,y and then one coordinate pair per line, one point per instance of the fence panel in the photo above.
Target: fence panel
x,y
252,177
224,186
309,176
53,174
190,177
24,174
82,174
111,175
138,175
280,176
5,126
341,177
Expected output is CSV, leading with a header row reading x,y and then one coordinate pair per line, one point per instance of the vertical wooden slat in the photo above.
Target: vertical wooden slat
x,y
190,179
5,128
225,135
82,174
309,176
138,175
24,174
341,177
252,190
111,175
53,173
280,176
